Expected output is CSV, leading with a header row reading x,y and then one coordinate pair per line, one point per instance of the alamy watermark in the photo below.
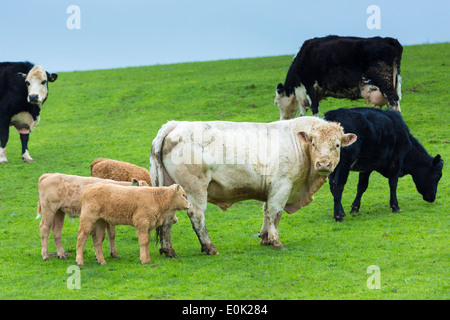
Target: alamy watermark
x,y
374,20
374,281
74,20
74,280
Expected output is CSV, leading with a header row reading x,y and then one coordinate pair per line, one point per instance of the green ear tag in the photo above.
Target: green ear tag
x,y
134,183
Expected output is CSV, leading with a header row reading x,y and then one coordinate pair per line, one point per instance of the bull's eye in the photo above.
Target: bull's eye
x,y
337,145
27,83
44,82
313,144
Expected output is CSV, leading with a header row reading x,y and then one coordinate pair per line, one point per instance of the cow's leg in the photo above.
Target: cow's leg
x,y
112,243
24,137
314,103
363,183
144,239
163,232
58,222
337,180
98,236
393,190
4,136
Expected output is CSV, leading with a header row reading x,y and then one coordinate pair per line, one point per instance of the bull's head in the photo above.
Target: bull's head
x,y
325,142
37,84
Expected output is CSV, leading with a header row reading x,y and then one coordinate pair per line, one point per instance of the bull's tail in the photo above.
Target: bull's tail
x,y
156,165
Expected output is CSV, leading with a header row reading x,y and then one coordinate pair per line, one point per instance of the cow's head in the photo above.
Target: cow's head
x,y
325,141
37,84
287,104
427,178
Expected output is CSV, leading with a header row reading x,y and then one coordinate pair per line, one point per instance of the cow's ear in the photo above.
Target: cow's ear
x,y
280,89
437,160
303,136
52,77
348,139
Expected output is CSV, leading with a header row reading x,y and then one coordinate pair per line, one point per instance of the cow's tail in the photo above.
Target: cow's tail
x,y
398,80
156,165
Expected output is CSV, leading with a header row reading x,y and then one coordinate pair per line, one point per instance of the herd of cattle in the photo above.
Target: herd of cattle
x,y
282,163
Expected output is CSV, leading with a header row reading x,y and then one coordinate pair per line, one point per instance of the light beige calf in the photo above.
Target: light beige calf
x,y
60,194
142,208
118,170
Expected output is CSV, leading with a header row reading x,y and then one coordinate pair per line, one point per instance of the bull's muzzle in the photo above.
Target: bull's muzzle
x,y
324,165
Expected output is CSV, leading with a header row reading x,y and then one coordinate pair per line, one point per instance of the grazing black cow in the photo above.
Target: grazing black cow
x,y
23,91
384,145
342,67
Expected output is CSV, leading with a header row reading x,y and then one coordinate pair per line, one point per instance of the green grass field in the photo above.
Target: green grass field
x,y
117,113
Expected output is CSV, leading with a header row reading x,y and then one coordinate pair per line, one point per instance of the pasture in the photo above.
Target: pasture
x,y
117,113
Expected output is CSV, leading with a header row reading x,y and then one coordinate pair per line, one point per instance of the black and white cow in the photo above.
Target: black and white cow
x,y
384,145
342,67
23,91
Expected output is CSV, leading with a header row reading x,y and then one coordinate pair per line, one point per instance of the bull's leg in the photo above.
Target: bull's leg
x,y
393,190
112,236
98,236
363,183
196,214
24,137
58,222
273,210
163,232
144,238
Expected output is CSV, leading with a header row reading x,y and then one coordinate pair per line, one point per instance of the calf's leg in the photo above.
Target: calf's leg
x,y
58,222
144,238
86,226
337,180
393,190
98,236
44,227
112,236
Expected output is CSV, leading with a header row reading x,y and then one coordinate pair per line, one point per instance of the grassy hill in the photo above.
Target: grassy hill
x,y
117,113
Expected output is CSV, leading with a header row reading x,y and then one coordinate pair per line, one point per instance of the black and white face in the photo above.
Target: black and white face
x,y
37,84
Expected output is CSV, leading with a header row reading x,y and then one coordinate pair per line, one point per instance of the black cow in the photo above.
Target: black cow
x,y
23,91
384,145
342,67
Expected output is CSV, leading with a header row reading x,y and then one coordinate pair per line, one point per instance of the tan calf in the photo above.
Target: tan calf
x,y
118,170
60,194
142,208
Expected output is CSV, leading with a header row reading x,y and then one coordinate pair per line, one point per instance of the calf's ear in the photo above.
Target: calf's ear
x,y
134,182
176,188
348,139
303,136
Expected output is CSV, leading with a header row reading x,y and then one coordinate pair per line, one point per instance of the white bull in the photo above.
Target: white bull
x,y
282,163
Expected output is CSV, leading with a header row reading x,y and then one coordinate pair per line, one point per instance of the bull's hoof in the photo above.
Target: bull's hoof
x,y
28,160
210,249
278,247
168,252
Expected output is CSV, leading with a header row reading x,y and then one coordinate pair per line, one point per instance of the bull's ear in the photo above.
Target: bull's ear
x,y
303,136
52,77
348,139
280,89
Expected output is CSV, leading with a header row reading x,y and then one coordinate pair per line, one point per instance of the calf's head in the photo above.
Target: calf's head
x,y
139,183
179,200
426,178
325,141
37,84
